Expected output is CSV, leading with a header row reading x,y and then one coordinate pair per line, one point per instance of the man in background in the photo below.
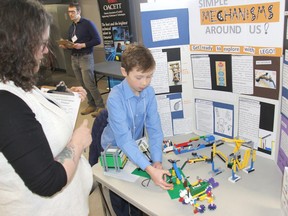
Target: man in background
x,y
84,34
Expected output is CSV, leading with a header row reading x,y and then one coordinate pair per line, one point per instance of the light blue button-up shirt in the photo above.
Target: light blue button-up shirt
x,y
127,116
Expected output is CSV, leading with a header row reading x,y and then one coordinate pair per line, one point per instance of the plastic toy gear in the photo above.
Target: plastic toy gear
x,y
212,206
201,209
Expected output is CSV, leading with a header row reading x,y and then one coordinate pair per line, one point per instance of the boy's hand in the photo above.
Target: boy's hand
x,y
158,176
157,165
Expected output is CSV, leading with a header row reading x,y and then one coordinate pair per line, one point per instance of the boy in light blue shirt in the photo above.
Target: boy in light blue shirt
x,y
131,107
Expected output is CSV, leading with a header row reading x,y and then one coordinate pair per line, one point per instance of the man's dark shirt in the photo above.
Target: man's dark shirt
x,y
86,32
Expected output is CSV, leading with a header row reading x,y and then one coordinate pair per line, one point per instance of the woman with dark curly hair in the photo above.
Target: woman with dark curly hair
x,y
42,168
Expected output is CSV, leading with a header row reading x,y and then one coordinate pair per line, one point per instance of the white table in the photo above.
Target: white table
x,y
257,193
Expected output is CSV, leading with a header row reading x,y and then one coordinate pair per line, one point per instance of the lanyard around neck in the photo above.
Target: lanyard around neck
x,y
74,29
133,120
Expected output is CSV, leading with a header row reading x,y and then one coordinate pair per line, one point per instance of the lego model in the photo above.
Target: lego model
x,y
184,191
168,146
191,193
216,152
199,191
199,158
144,147
175,172
196,158
113,157
234,161
192,145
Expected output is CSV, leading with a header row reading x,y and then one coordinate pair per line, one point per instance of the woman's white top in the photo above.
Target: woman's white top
x,y
15,197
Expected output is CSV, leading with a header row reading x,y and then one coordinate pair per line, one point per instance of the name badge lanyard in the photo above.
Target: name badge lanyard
x,y
132,115
74,37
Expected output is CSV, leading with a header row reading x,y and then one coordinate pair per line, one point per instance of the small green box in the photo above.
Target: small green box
x,y
115,158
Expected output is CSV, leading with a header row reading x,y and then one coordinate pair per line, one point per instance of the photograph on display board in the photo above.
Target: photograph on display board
x,y
174,69
265,79
119,48
221,72
121,38
120,33
266,76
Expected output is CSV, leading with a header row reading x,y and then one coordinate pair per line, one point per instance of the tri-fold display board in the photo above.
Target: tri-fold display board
x,y
219,67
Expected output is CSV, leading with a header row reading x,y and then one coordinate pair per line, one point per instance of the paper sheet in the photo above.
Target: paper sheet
x,y
204,115
201,71
164,29
242,67
249,118
70,103
124,174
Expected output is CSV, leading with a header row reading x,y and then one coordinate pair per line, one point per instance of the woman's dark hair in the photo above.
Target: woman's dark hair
x,y
22,25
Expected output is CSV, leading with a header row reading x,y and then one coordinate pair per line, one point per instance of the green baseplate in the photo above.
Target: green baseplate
x,y
174,193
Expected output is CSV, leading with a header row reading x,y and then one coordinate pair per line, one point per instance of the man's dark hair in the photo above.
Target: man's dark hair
x,y
76,5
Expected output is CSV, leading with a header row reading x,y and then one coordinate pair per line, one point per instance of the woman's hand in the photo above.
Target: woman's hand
x,y
81,91
82,135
